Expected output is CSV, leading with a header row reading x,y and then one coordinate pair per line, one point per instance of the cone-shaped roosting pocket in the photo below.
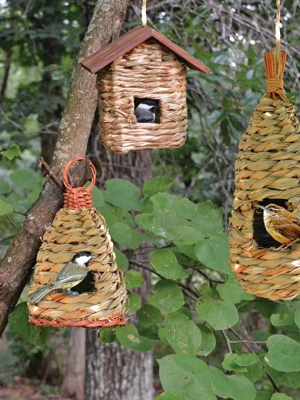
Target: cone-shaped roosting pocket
x,y
267,171
77,227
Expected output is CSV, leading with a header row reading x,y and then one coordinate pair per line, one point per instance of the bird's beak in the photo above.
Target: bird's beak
x,y
94,256
259,206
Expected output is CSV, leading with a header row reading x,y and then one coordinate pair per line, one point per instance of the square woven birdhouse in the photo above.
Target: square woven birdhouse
x,y
139,66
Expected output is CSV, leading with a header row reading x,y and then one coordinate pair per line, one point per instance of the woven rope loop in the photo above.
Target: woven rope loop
x,y
78,198
275,85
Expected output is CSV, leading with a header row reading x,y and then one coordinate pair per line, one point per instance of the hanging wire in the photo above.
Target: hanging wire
x,y
144,13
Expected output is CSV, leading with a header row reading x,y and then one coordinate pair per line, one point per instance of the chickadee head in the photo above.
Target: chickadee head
x,y
145,111
83,257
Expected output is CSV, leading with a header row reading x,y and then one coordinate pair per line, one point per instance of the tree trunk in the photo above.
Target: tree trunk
x,y
73,383
112,371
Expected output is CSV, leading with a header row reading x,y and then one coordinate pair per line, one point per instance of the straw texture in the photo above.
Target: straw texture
x,y
75,229
148,71
267,171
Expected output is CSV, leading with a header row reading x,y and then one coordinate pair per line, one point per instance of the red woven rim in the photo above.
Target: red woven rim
x,y
117,319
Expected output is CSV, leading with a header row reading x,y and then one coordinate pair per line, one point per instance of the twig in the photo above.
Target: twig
x,y
50,173
10,220
186,288
228,342
7,238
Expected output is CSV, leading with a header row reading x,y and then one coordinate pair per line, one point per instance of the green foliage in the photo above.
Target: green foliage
x,y
12,152
30,333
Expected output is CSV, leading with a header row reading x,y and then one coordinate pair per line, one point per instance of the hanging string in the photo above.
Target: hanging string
x,y
144,13
277,35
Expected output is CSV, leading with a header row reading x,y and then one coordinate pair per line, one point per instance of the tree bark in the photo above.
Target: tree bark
x,y
73,383
72,142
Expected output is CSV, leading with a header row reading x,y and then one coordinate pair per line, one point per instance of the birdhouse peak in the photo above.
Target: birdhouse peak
x,y
127,42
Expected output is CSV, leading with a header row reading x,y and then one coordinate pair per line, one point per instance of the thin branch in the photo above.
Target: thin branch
x,y
228,342
50,173
186,288
12,223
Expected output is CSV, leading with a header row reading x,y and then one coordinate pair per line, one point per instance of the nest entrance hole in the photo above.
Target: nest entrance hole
x,y
138,101
260,234
85,286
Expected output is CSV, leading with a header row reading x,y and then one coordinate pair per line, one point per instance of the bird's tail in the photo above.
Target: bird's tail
x,y
36,296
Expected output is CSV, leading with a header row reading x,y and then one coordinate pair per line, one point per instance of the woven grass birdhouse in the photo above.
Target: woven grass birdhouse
x,y
77,227
142,65
267,172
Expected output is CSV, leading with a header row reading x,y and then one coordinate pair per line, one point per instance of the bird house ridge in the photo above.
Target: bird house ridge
x,y
101,58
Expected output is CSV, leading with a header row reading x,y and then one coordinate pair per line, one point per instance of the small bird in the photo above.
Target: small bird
x,y
145,111
69,276
281,224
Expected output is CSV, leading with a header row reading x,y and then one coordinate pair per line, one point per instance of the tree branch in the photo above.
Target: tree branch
x,y
72,142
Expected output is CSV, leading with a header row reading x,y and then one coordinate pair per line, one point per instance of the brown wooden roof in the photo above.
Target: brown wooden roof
x,y
129,41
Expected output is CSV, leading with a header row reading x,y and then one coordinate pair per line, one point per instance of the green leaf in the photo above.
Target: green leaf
x,y
170,396
187,376
25,179
18,322
229,363
281,319
157,185
283,354
186,235
4,187
133,279
220,314
208,341
122,193
232,291
98,199
129,338
247,359
133,303
187,209
297,317
165,263
12,152
183,335
5,208
281,396
162,335
122,260
161,223
164,201
235,387
107,335
125,236
209,220
167,296
149,315
213,253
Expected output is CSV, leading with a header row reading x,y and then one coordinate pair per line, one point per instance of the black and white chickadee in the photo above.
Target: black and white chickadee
x,y
145,111
69,276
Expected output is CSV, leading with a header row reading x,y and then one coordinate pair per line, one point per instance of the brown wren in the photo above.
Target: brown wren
x,y
281,224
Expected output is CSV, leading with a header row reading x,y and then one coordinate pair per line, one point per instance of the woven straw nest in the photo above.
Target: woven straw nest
x,y
148,71
74,230
267,171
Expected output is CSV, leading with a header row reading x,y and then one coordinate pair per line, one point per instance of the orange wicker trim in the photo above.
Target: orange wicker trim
x,y
274,66
78,198
114,320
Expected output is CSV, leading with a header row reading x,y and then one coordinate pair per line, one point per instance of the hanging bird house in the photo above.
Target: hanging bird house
x,y
267,172
78,227
139,66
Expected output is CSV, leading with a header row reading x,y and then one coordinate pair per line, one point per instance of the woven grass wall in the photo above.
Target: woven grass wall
x,y
148,71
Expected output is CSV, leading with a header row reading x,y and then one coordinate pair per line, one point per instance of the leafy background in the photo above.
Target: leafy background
x,y
208,335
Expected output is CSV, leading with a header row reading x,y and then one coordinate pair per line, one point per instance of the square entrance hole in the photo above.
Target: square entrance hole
x,y
144,108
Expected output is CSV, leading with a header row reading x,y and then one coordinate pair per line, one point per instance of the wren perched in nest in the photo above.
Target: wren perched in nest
x,y
282,225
